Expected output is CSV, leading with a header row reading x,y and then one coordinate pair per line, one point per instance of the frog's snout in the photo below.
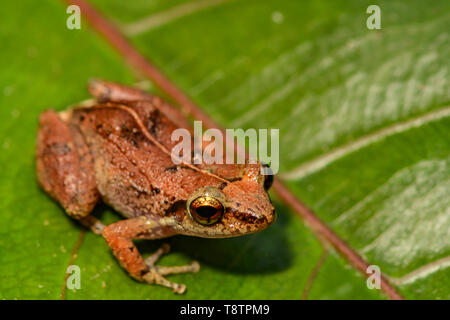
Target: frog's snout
x,y
270,217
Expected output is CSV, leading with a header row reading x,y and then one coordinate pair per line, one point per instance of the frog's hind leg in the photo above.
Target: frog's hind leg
x,y
65,168
119,237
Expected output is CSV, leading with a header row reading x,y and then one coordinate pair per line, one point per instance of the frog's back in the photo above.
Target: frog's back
x,y
133,175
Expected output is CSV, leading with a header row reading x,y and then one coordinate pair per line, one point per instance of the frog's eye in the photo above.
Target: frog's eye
x,y
206,210
268,176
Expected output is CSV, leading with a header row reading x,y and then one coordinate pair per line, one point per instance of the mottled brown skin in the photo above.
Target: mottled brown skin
x,y
99,151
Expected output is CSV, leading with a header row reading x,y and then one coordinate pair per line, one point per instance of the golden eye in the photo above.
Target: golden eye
x,y
206,205
206,210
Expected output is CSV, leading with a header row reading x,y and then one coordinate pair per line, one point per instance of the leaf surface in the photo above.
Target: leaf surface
x,y
311,69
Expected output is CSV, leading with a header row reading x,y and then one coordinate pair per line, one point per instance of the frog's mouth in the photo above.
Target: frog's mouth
x,y
253,222
248,218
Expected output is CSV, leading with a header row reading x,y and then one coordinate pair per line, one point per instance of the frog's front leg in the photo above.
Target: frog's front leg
x,y
119,237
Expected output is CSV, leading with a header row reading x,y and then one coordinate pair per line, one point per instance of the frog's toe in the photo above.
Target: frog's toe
x,y
153,277
179,288
156,274
164,249
193,267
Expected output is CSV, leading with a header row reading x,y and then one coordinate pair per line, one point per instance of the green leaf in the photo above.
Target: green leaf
x,y
363,114
311,69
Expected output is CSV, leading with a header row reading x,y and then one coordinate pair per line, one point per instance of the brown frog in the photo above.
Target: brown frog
x,y
116,148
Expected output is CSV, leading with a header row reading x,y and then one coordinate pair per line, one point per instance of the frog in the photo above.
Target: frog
x,y
115,148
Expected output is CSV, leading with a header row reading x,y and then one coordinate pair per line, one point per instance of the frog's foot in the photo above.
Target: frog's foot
x,y
156,273
119,237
